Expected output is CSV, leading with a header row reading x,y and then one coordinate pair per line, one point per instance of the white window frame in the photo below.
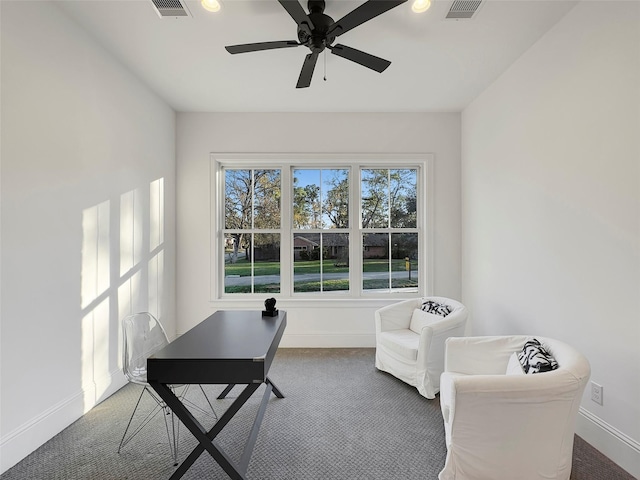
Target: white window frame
x,y
354,162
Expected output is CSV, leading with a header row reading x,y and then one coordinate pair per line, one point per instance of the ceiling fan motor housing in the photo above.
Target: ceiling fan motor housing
x,y
317,40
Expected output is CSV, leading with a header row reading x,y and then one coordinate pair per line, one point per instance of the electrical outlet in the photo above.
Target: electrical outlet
x,y
596,393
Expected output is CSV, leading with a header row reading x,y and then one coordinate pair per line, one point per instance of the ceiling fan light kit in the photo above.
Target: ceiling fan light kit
x,y
318,31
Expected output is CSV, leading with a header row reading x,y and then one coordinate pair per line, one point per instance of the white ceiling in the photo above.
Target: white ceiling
x,y
437,64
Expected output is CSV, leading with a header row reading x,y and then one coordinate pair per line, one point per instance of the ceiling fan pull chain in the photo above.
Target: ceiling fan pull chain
x,y
325,65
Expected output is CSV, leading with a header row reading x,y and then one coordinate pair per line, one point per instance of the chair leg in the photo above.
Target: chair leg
x,y
173,433
124,441
173,430
175,423
192,406
215,415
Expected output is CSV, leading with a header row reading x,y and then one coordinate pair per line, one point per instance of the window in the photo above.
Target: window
x,y
347,226
390,236
321,229
252,221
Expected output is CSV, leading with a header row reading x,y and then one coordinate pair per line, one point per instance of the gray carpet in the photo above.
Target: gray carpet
x,y
340,419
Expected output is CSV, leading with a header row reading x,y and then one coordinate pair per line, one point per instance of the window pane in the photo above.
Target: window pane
x,y
335,265
375,198
237,268
404,263
306,199
403,189
266,262
237,205
321,262
321,198
266,203
306,262
335,198
390,261
246,273
375,261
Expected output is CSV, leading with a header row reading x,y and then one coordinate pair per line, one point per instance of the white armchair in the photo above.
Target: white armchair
x,y
503,426
410,344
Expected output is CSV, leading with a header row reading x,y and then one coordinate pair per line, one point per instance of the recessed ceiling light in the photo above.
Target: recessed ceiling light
x,y
214,5
418,6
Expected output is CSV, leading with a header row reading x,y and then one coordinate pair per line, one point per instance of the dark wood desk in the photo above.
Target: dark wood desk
x,y
229,347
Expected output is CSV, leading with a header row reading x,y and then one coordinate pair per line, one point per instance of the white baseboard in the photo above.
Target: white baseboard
x,y
329,340
620,448
23,440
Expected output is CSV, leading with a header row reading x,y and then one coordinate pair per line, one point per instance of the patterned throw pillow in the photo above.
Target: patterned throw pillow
x,y
534,358
436,308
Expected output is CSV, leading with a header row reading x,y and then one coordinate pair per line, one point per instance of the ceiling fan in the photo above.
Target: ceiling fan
x,y
317,31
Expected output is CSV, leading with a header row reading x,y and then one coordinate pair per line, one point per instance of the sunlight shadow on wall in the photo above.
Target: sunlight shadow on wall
x,y
119,276
95,281
156,243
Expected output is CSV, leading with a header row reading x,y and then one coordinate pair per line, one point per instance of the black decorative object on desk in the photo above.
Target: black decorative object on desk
x,y
270,308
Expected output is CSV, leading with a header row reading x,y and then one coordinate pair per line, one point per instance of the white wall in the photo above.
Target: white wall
x,y
315,323
88,227
551,208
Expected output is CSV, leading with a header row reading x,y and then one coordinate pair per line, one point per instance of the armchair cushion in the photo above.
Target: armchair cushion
x,y
514,367
535,358
420,319
401,342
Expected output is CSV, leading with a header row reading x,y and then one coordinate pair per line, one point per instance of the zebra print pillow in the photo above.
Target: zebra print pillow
x,y
436,308
534,358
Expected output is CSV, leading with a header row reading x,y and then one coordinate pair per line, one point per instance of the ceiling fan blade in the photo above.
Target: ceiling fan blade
x,y
298,14
304,80
364,13
256,47
365,59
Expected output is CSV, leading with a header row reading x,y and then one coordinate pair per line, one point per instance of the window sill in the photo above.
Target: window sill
x,y
285,303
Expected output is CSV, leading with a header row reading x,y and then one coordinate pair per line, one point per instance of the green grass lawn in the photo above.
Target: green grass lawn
x,y
243,268
328,285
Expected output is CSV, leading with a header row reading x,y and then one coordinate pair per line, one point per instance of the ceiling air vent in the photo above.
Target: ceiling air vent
x,y
171,8
463,9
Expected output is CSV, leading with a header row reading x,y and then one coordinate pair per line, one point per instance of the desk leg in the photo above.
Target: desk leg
x,y
253,435
205,438
227,389
276,391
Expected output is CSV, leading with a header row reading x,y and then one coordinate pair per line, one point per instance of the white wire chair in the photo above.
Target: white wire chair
x,y
143,336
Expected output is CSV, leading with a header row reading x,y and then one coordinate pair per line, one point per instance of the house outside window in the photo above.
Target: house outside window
x,y
320,226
